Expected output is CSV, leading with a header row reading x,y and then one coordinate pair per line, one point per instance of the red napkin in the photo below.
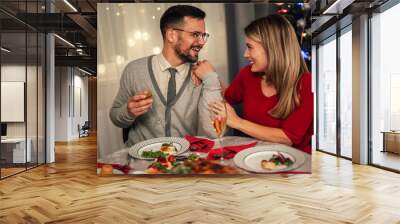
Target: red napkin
x,y
229,151
199,144
124,168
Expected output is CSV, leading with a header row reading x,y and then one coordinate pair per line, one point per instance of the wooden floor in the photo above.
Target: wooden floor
x,y
387,159
69,191
5,172
10,171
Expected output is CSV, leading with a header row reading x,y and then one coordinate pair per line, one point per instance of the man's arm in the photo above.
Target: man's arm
x,y
119,114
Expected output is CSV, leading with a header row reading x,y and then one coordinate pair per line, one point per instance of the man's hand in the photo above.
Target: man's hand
x,y
140,103
202,68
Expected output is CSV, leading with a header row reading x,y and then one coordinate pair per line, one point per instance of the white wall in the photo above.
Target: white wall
x,y
80,84
61,103
69,85
33,127
13,73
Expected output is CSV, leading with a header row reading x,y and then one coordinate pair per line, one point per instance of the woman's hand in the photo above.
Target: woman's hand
x,y
195,80
218,107
202,68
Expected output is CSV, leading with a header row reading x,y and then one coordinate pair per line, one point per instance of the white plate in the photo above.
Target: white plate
x,y
181,145
250,159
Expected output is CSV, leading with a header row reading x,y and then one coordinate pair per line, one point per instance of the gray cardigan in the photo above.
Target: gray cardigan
x,y
187,115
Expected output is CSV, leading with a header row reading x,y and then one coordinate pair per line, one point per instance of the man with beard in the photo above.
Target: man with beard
x,y
158,94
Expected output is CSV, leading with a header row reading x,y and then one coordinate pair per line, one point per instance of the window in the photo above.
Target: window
x,y
346,93
22,65
326,98
385,85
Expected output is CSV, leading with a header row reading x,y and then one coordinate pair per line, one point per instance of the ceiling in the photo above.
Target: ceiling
x,y
336,15
76,22
78,27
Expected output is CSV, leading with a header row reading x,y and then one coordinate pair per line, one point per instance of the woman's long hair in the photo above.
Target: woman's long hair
x,y
285,64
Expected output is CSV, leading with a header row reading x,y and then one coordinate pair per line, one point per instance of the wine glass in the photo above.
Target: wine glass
x,y
219,124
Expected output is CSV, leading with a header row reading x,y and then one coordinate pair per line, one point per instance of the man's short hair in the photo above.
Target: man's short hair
x,y
174,15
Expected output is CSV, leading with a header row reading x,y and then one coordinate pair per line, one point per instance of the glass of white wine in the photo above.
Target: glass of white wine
x,y
219,124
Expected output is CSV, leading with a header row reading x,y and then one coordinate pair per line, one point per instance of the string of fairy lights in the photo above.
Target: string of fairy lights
x,y
299,14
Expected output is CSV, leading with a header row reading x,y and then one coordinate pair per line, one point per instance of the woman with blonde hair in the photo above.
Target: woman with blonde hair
x,y
275,88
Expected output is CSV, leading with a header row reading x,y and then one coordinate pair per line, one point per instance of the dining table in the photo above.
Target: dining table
x,y
122,157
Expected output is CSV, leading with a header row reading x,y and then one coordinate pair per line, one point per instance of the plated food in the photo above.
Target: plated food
x,y
170,155
154,148
277,161
166,148
269,159
203,166
192,165
162,164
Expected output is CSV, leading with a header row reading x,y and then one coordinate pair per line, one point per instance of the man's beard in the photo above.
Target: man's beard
x,y
185,55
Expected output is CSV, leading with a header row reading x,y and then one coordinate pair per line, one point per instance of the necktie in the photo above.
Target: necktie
x,y
171,86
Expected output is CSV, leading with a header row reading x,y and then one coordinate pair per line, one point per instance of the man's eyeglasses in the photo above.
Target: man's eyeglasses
x,y
196,35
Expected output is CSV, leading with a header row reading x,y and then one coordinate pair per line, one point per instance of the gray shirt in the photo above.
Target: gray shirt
x,y
188,114
162,75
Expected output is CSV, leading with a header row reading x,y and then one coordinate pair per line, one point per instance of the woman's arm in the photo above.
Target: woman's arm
x,y
261,132
252,129
294,127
